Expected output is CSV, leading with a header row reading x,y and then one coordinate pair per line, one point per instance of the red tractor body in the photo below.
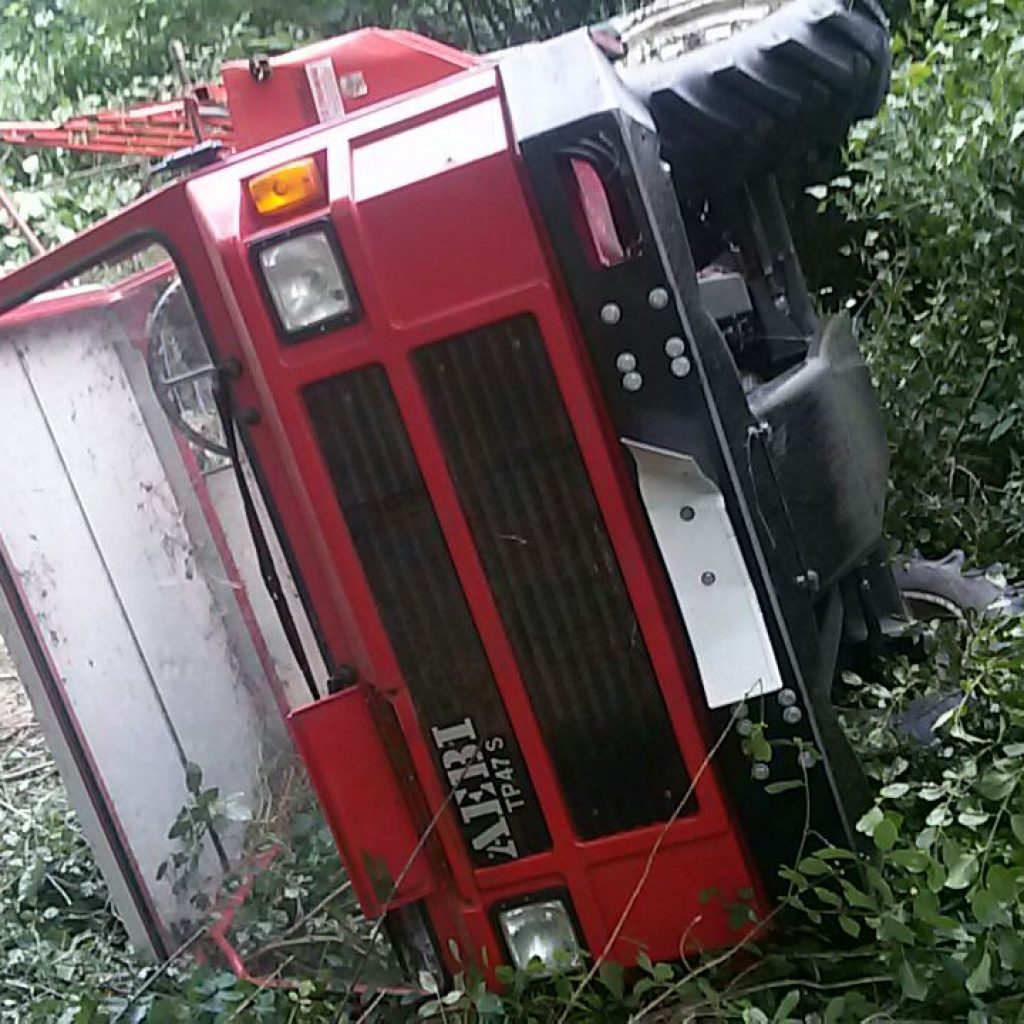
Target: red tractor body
x,y
546,690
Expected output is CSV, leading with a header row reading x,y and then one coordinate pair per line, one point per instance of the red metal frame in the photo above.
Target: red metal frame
x,y
150,129
427,199
263,108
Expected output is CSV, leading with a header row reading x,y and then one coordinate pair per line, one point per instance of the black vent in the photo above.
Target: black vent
x,y
422,606
517,468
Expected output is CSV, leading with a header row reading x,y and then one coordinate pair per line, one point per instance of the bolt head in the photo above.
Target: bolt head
x,y
708,579
787,698
625,362
658,298
760,772
674,347
687,514
611,313
792,715
680,366
632,381
744,726
806,759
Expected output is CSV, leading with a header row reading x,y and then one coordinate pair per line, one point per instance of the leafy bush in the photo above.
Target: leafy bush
x,y
937,209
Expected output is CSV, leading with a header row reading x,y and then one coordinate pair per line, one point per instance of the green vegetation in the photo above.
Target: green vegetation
x,y
930,208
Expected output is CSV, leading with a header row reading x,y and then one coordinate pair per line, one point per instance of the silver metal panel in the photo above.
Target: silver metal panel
x,y
705,566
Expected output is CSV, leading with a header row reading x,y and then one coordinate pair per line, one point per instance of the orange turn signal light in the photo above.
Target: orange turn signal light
x,y
287,187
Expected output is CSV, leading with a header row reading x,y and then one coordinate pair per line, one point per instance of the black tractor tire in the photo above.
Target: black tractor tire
x,y
942,589
762,100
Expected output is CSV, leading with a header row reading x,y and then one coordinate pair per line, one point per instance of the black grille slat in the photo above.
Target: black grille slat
x,y
552,590
415,587
518,472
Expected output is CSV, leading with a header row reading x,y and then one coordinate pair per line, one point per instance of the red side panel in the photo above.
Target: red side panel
x,y
355,783
328,80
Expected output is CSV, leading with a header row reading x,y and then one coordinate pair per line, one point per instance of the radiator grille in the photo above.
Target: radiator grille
x,y
514,459
424,611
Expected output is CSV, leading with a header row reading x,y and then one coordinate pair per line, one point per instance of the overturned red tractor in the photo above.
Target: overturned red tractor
x,y
583,497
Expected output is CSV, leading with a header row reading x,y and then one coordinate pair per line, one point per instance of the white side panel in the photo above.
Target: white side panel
x,y
45,714
139,529
705,565
116,559
82,623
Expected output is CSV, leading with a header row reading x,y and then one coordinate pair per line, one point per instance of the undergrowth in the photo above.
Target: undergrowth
x,y
928,927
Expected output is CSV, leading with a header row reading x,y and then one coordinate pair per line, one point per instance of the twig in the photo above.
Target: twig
x,y
817,986
259,987
374,1003
310,940
32,769
759,926
20,224
328,899
161,970
648,867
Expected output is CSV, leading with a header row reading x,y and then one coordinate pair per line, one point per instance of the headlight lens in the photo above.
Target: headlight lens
x,y
542,930
306,281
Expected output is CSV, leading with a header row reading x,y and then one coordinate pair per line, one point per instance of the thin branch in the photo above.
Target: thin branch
x,y
260,986
648,867
161,970
328,899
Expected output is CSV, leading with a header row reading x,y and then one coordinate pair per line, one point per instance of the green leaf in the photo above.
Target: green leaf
x,y
760,748
813,866
857,897
926,909
980,979
870,821
987,909
489,1002
31,880
612,977
995,785
936,876
774,788
1002,883
849,925
663,972
912,860
787,1006
834,1010
892,930
1017,825
827,896
917,73
894,790
1010,944
193,778
962,871
914,986
886,833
